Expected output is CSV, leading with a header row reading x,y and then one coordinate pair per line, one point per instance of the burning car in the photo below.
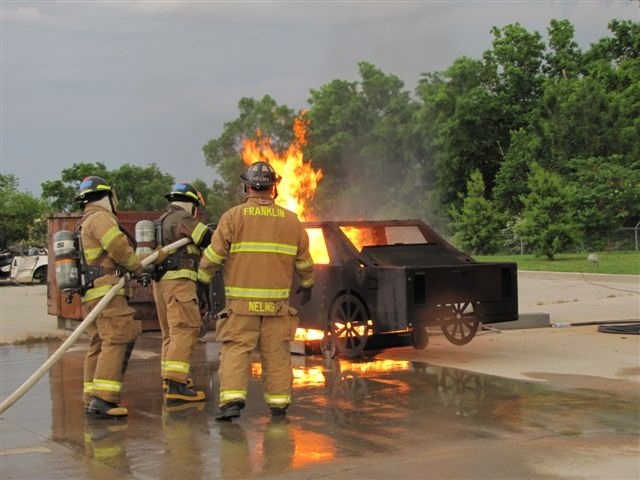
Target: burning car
x,y
383,277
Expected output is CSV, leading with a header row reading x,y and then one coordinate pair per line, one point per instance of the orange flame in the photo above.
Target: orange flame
x,y
299,180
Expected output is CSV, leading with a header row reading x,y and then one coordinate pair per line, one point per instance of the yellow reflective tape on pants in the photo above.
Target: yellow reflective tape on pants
x,y
277,400
172,366
87,387
227,396
107,385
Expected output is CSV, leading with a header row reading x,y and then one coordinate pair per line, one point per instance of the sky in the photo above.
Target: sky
x,y
143,82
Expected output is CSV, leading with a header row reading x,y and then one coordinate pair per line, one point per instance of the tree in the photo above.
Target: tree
x,y
362,137
477,224
564,58
137,188
605,193
476,104
22,216
547,221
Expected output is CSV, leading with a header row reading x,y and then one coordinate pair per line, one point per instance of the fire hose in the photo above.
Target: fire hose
x,y
46,366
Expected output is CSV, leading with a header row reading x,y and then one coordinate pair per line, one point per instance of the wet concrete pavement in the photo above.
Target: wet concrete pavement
x,y
548,403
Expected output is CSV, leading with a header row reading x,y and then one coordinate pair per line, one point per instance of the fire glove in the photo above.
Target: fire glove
x,y
162,256
306,294
206,321
202,290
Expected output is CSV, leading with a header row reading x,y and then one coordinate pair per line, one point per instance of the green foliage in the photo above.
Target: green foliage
x,y
605,193
478,222
137,188
362,138
141,188
547,224
60,193
22,216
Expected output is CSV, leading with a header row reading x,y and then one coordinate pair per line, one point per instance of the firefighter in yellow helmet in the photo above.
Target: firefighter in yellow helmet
x,y
177,299
107,252
261,245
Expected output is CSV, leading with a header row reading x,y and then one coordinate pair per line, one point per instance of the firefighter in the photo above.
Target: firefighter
x,y
177,299
261,245
107,253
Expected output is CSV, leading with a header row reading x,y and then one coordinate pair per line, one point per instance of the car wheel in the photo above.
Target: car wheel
x,y
349,325
40,275
460,328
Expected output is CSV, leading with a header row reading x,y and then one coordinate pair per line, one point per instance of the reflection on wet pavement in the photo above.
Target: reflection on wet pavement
x,y
343,409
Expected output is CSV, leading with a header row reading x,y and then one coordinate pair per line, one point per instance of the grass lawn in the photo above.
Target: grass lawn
x,y
610,262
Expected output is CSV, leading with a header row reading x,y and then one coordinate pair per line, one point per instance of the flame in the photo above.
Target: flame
x,y
360,237
299,179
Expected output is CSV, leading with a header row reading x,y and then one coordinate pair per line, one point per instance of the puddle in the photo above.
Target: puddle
x,y
356,412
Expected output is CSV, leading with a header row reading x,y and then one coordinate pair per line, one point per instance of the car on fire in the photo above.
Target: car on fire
x,y
376,278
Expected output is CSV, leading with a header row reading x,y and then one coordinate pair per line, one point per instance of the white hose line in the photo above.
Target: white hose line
x,y
30,382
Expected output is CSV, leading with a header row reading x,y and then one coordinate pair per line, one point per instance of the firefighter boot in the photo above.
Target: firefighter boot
x,y
230,410
279,411
165,384
99,408
180,392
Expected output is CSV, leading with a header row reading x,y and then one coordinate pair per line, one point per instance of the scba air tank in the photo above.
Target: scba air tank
x,y
145,240
66,261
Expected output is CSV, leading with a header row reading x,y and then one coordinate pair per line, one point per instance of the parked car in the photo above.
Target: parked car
x,y
32,267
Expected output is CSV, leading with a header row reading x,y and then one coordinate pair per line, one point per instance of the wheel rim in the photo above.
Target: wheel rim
x,y
349,325
462,326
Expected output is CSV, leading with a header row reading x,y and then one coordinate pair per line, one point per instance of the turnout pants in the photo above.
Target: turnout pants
x,y
179,318
111,336
271,335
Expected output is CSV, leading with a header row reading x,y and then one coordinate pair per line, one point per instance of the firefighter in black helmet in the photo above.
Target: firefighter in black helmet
x,y
108,253
261,246
178,301
260,176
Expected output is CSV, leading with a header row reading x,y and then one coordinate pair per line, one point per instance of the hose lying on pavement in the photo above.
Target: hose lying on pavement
x,y
46,366
629,327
